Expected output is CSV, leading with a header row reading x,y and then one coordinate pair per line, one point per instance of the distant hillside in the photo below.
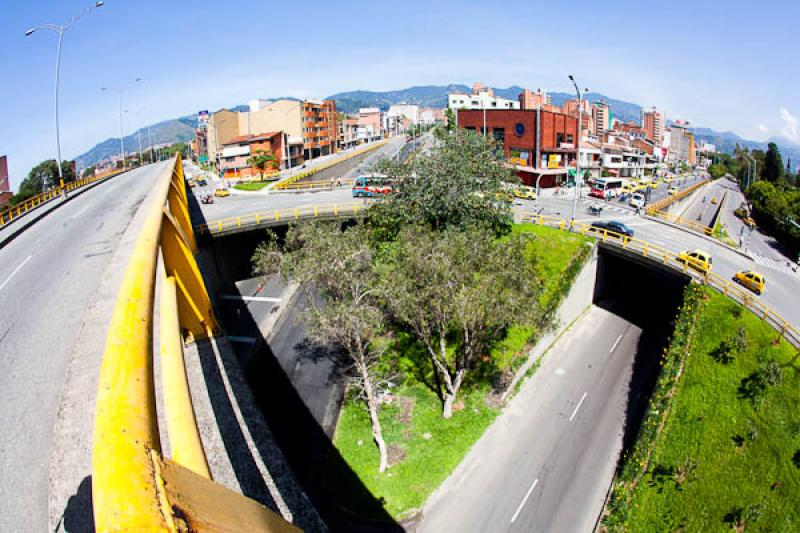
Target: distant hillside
x,y
182,129
168,131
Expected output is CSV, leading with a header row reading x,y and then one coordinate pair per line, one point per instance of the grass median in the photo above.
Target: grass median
x,y
424,448
728,457
251,185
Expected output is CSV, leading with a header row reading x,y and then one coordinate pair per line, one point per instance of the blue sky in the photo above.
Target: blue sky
x,y
728,65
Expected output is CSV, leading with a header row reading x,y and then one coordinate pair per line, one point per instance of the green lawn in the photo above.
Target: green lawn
x,y
251,185
723,460
422,464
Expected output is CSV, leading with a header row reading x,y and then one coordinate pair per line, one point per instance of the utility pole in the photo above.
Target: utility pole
x,y
120,91
577,148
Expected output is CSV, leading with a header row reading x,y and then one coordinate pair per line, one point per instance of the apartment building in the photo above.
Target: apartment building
x,y
602,118
653,125
531,100
235,159
370,123
309,128
571,108
681,144
540,144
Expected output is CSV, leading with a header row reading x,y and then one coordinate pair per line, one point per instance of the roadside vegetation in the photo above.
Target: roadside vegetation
x,y
774,193
719,448
251,185
432,303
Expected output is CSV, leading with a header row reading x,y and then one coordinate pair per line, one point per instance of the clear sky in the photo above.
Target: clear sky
x,y
728,65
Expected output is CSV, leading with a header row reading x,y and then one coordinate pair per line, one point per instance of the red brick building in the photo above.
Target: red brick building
x,y
545,153
236,154
5,186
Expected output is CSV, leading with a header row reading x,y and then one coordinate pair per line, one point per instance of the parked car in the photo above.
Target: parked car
x,y
614,226
637,200
672,190
698,260
755,281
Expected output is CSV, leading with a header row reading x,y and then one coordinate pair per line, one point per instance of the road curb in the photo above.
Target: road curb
x,y
17,232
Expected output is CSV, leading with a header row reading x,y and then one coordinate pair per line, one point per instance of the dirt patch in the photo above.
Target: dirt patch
x,y
396,454
405,409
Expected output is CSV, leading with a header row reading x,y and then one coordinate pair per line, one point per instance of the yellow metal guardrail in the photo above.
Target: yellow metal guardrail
x,y
315,185
135,488
690,224
12,213
671,199
297,177
264,218
670,258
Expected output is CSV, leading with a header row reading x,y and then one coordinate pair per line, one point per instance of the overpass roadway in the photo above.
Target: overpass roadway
x,y
782,281
58,281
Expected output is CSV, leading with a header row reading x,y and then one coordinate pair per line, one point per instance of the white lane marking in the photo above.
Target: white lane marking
x,y
79,213
560,371
575,412
615,343
525,499
250,298
15,272
247,340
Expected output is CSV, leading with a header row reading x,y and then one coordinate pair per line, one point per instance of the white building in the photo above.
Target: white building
x,y
480,98
406,111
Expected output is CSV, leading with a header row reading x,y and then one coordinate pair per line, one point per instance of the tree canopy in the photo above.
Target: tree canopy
x,y
773,164
459,184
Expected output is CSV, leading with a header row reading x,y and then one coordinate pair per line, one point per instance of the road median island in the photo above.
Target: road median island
x,y
425,448
719,447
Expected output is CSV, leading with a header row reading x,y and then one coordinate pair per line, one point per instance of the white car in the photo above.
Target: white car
x,y
637,200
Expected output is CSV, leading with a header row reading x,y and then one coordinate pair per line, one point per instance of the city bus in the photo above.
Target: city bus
x,y
371,185
606,187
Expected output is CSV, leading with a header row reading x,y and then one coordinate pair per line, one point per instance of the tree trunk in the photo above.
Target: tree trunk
x,y
372,406
453,387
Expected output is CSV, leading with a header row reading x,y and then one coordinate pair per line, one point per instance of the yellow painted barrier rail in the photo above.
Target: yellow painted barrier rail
x,y
297,177
671,199
12,213
134,487
670,258
279,216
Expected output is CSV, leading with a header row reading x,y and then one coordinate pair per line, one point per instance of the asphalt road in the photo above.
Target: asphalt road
x,y
702,209
782,283
546,463
49,277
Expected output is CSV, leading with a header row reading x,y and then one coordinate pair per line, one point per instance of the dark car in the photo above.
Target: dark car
x,y
613,225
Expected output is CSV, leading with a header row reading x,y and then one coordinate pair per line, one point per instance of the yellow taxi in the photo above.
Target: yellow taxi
x,y
654,184
713,200
752,280
698,260
222,192
525,192
191,182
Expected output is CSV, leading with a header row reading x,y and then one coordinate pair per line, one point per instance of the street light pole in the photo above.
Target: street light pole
x,y
120,90
577,148
60,29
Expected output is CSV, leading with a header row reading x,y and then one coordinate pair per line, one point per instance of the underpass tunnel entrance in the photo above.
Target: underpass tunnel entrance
x,y
649,295
636,288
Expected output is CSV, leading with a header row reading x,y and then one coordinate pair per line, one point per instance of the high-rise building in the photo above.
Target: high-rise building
x,y
531,100
602,117
570,108
653,125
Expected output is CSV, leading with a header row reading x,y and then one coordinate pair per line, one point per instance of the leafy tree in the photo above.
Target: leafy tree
x,y
42,177
88,171
459,184
336,272
717,170
456,292
773,164
450,119
262,159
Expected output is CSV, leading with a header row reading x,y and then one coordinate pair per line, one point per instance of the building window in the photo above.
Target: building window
x,y
570,138
470,128
559,139
499,134
518,156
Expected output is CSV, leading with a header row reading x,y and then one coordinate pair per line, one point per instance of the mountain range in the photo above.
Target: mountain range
x,y
182,129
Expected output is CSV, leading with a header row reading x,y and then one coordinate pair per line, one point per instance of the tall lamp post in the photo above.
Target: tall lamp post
x,y
60,29
752,172
120,91
577,148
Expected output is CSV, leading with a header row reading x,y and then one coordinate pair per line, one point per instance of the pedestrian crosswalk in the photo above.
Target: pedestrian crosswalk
x,y
608,207
783,266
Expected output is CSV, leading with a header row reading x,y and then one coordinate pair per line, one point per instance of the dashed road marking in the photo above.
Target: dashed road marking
x,y
525,499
